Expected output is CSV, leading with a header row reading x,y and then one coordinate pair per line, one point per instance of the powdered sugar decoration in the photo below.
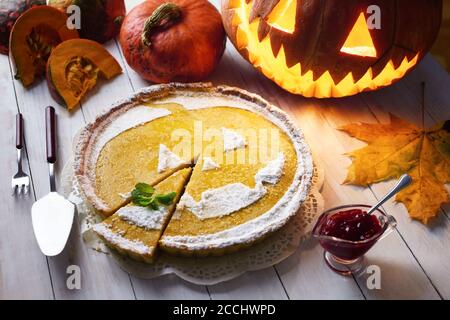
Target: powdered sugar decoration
x,y
272,172
222,201
168,159
209,164
144,217
232,140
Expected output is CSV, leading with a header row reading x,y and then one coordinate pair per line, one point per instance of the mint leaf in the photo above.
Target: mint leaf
x,y
144,196
136,193
153,204
166,199
145,189
142,201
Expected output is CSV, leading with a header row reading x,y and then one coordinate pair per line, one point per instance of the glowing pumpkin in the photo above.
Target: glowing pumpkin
x,y
332,48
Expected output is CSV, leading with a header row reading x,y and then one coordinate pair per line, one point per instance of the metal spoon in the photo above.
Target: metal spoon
x,y
404,181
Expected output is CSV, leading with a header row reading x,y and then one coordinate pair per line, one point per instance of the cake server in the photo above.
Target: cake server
x,y
52,216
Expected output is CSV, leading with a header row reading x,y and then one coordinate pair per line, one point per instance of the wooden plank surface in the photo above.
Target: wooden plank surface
x,y
414,261
24,271
316,116
329,147
98,272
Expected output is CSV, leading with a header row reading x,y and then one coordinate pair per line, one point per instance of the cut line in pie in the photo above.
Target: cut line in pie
x,y
135,231
240,168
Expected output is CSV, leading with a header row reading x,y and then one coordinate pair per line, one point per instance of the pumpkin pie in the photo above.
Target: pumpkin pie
x,y
251,167
135,231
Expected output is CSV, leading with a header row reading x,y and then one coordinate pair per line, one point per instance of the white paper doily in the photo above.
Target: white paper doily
x,y
204,271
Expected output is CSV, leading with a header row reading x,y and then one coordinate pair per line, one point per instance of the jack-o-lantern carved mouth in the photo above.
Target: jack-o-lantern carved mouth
x,y
303,80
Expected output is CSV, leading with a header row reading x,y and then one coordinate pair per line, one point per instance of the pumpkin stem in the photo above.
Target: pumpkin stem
x,y
164,16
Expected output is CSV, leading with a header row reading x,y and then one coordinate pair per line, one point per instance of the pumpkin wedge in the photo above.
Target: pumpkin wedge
x,y
34,35
74,68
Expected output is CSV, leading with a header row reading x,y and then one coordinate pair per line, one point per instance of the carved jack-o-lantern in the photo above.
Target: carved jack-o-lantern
x,y
332,48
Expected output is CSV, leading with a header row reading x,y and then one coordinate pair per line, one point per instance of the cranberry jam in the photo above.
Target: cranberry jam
x,y
352,225
349,232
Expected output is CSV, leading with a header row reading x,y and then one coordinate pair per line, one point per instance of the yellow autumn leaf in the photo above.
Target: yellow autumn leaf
x,y
401,147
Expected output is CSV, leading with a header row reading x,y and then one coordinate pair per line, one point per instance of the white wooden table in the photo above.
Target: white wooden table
x,y
414,261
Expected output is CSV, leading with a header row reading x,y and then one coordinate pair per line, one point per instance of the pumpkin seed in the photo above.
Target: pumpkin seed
x,y
81,75
41,42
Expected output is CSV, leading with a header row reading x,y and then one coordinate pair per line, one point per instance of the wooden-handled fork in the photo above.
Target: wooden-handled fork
x,y
21,181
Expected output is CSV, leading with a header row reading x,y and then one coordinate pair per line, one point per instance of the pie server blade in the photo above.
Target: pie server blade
x,y
52,216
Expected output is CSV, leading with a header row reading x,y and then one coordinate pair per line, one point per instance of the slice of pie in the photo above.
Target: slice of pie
x,y
252,168
134,230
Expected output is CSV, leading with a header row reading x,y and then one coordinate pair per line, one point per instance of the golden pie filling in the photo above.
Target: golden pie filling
x,y
231,172
132,157
251,170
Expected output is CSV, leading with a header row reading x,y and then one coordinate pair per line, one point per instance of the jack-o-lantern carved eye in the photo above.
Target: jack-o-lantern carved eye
x,y
283,17
359,42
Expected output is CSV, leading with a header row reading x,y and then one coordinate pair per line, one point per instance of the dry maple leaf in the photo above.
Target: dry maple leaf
x,y
401,147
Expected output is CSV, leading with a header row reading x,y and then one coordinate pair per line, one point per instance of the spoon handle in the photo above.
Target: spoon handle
x,y
404,181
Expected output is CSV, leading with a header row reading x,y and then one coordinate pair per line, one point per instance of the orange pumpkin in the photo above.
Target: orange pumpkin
x,y
330,48
180,40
